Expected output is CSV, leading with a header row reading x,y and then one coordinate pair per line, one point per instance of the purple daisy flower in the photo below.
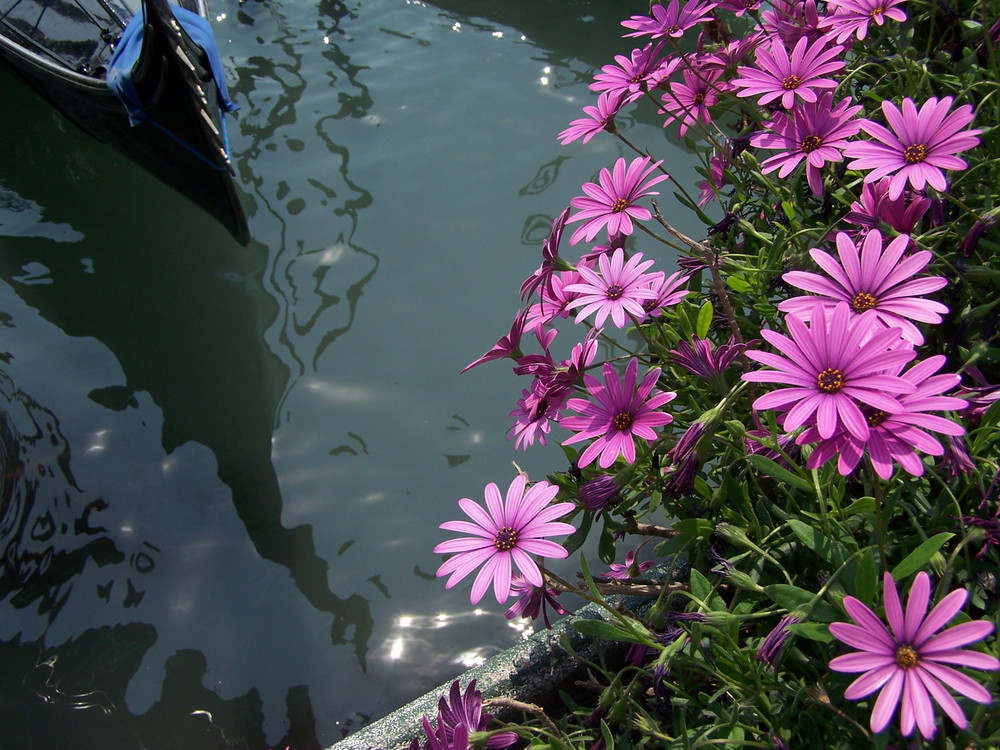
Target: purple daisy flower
x,y
598,119
790,77
846,18
917,146
699,358
671,20
634,74
550,258
813,131
458,716
619,290
507,345
668,291
876,279
770,648
717,179
537,408
620,413
792,20
533,601
841,359
506,534
896,437
689,101
612,203
623,571
908,662
874,208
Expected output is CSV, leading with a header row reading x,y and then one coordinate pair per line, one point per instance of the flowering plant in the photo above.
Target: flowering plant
x,y
792,408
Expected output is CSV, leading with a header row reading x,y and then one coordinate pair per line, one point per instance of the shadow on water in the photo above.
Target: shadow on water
x,y
185,313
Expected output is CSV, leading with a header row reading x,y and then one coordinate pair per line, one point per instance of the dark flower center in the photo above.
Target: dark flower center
x,y
863,301
915,154
622,420
614,291
619,205
792,82
699,97
749,4
506,539
830,380
811,143
876,417
906,657
673,29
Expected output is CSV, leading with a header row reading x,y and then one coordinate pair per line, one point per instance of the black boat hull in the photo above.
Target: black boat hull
x,y
182,142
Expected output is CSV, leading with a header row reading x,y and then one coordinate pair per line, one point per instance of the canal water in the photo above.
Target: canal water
x,y
225,466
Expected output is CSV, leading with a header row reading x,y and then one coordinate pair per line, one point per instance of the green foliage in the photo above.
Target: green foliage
x,y
762,536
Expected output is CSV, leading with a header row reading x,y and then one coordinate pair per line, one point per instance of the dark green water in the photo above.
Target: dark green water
x,y
225,467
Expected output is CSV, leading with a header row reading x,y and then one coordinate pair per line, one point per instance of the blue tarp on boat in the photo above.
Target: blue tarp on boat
x,y
119,77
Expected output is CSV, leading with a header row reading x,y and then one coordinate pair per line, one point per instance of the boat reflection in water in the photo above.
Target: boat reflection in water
x,y
93,59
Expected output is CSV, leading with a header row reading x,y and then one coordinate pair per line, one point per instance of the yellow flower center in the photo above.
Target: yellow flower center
x,y
876,12
506,539
863,301
811,143
876,418
792,82
619,205
622,420
830,380
915,154
907,657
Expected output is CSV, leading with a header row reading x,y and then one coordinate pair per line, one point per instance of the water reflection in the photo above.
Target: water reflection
x,y
268,437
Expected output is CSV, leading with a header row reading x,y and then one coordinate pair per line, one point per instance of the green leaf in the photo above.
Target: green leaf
x,y
777,472
793,598
606,545
704,323
866,580
861,505
700,587
920,556
829,549
814,631
602,629
696,527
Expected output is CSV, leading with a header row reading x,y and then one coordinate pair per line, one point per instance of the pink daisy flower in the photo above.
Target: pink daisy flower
x,y
612,203
507,533
633,74
779,75
909,661
550,258
619,414
874,208
792,20
668,291
619,290
739,7
716,174
671,20
896,437
689,101
599,118
814,132
847,18
829,367
507,345
876,279
919,146
536,410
